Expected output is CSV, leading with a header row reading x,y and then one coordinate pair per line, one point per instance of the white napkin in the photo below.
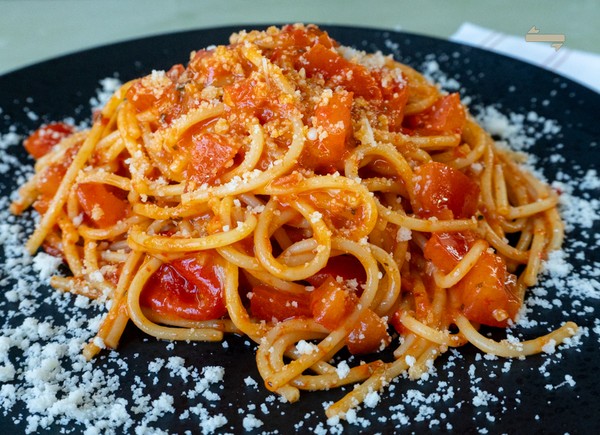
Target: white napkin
x,y
581,66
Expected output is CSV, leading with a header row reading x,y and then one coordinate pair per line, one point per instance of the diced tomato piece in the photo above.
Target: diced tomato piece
x,y
395,97
44,138
211,69
292,41
243,94
333,124
141,97
346,267
445,250
330,304
300,37
446,115
344,213
444,192
145,96
253,98
209,155
369,335
333,67
189,288
100,204
268,303
486,293
50,178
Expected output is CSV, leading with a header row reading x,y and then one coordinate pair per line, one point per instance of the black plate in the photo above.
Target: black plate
x,y
550,393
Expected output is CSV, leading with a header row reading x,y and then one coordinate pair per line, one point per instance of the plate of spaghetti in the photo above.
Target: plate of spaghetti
x,y
298,227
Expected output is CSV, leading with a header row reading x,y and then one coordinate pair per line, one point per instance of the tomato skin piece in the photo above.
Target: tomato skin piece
x,y
41,141
100,204
486,293
189,288
369,335
268,303
397,323
445,250
444,116
333,121
330,304
347,267
444,192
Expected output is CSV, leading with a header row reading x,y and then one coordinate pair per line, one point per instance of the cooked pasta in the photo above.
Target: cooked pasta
x,y
310,196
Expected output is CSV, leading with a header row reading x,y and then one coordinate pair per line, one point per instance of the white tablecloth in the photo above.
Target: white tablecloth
x,y
577,65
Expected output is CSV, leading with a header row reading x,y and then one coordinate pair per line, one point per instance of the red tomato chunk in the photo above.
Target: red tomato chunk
x,y
445,250
369,335
101,204
346,267
190,288
268,304
444,192
209,157
333,129
487,292
339,71
445,116
330,304
50,178
44,138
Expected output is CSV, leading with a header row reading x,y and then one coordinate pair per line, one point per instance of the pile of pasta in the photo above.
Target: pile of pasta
x,y
307,195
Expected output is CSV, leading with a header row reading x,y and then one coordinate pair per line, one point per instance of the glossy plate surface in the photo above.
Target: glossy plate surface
x,y
467,393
